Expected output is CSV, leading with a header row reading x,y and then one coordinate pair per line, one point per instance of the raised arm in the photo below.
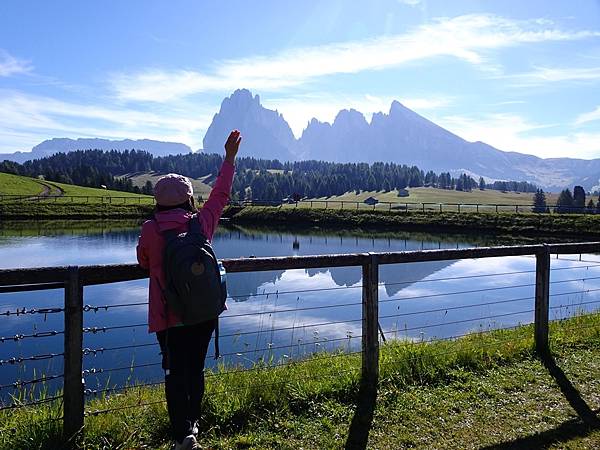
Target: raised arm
x,y
219,196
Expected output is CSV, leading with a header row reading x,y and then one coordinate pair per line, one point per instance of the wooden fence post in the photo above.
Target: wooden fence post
x,y
542,298
73,399
370,317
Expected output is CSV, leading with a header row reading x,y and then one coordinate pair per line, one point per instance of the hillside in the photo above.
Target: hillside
x,y
434,195
20,185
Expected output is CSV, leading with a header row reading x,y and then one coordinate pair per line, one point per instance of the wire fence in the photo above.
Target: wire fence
x,y
370,203
359,323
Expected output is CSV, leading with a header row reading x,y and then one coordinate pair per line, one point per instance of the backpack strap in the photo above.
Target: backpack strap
x,y
194,226
169,235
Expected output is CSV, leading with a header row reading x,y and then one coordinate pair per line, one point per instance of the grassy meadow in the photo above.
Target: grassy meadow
x,y
18,185
434,195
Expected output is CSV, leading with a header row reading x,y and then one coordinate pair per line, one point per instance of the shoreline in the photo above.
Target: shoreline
x,y
527,225
291,219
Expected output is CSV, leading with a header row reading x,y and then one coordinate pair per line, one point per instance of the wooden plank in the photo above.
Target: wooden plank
x,y
293,262
542,299
370,325
36,275
125,272
73,399
111,273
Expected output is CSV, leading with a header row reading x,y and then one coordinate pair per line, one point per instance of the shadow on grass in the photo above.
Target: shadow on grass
x,y
358,434
587,421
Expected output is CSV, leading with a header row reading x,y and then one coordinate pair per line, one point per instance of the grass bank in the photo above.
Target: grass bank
x,y
510,223
44,210
483,389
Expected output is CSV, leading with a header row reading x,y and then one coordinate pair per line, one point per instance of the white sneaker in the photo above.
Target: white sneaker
x,y
188,443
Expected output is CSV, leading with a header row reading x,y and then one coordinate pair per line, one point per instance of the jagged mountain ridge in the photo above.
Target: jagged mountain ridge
x,y
266,133
400,135
50,147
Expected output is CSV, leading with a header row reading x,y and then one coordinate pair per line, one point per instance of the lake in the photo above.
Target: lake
x,y
277,315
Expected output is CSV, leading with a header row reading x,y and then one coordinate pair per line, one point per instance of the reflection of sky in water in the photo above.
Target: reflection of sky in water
x,y
265,318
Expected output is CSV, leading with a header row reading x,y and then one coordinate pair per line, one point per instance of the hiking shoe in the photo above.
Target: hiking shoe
x,y
188,443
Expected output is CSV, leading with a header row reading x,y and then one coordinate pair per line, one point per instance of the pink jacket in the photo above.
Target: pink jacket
x,y
151,242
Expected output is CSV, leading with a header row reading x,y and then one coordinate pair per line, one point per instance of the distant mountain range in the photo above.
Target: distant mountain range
x,y
400,136
51,146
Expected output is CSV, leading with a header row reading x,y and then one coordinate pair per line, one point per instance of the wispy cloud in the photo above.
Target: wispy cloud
x,y
9,65
591,116
467,38
410,2
25,119
545,75
511,132
298,110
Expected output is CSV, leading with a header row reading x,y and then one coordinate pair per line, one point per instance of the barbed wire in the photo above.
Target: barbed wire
x,y
96,308
20,359
575,280
131,367
95,330
25,311
451,308
441,294
34,403
585,291
41,334
495,316
93,351
96,392
296,327
20,383
121,408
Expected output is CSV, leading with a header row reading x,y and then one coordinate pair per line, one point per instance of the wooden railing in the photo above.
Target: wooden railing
x,y
74,278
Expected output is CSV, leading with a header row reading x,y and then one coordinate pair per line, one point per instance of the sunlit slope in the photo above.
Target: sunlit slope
x,y
18,185
434,195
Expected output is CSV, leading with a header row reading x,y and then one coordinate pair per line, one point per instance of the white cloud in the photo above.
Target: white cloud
x,y
27,119
299,110
9,65
464,37
511,132
591,116
545,75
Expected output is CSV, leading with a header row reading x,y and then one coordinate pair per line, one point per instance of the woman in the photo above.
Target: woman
x,y
183,348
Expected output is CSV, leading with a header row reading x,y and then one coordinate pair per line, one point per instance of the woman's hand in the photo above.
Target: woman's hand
x,y
232,145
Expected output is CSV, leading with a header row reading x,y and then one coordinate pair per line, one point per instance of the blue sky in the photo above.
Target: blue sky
x,y
520,75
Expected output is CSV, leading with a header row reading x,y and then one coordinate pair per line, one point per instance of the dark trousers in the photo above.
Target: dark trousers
x,y
183,352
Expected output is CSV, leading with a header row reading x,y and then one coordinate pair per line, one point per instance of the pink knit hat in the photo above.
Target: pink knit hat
x,y
172,190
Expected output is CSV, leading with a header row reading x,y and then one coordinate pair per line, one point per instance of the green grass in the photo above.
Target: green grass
x,y
524,224
62,210
15,185
18,185
434,195
483,389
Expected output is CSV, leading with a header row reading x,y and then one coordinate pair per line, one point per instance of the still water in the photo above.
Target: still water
x,y
278,315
